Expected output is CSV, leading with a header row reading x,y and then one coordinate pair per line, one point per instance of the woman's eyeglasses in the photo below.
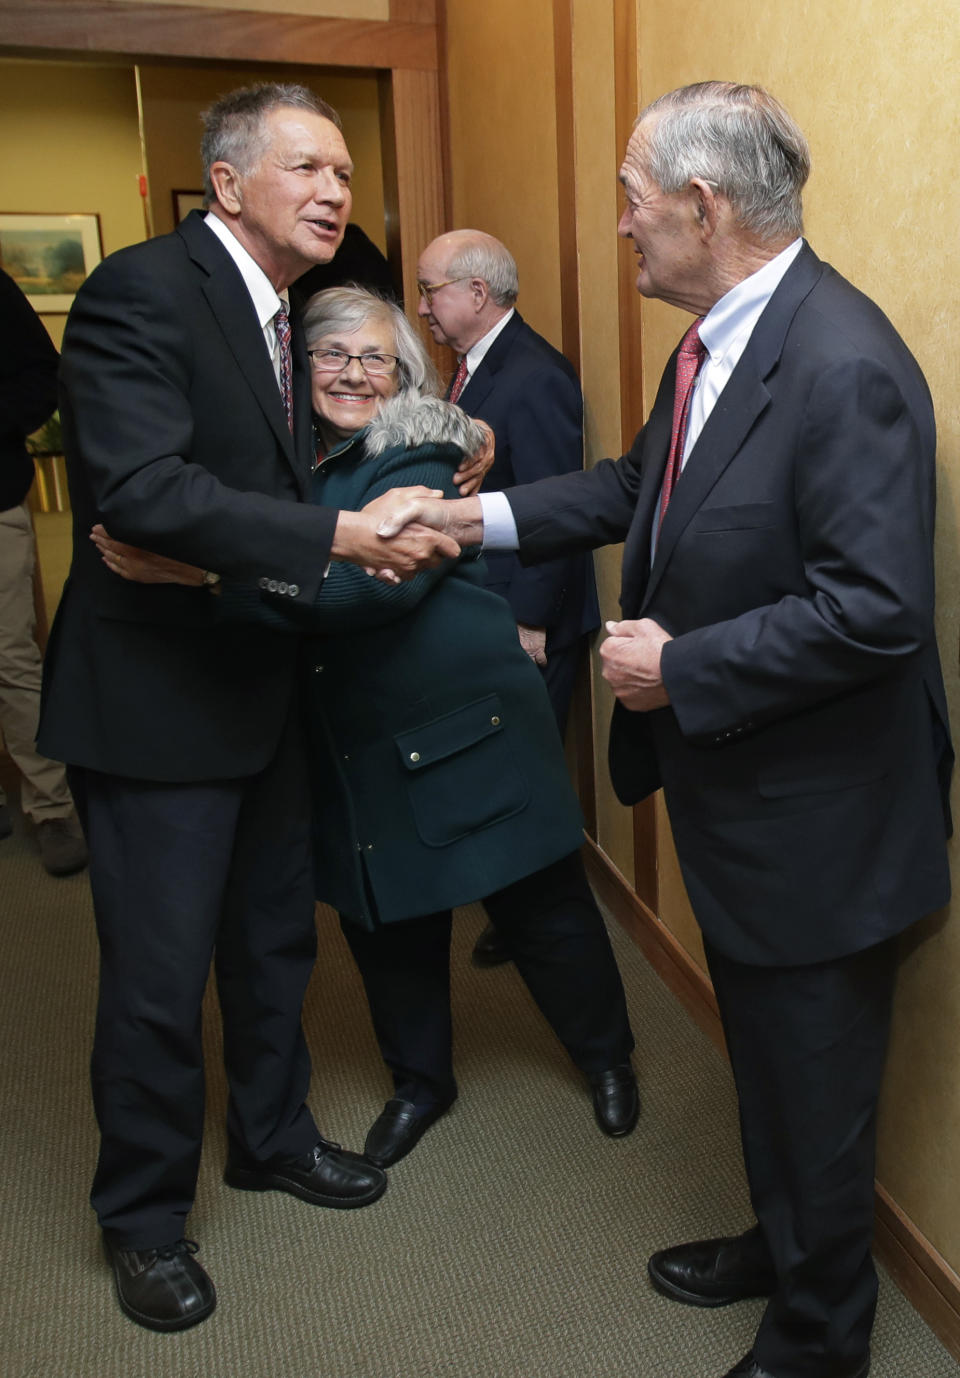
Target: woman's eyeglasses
x,y
335,361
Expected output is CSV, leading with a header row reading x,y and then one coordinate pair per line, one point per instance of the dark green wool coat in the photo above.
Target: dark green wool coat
x,y
437,768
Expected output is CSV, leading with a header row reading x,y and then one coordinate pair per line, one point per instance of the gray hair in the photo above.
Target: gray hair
x,y
740,139
490,260
348,308
234,128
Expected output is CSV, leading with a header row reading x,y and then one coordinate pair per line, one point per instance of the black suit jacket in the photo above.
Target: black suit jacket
x,y
28,388
530,395
176,440
805,755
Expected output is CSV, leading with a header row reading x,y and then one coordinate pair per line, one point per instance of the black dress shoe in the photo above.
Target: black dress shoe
x,y
715,1272
488,950
749,1368
616,1102
163,1289
398,1128
326,1176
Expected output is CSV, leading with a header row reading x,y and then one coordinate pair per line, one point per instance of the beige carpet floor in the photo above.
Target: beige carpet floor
x,y
510,1244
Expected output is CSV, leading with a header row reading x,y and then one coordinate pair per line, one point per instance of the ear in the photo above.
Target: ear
x,y
480,292
227,185
706,206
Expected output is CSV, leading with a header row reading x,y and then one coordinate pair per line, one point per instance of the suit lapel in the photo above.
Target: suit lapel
x,y
229,300
742,401
480,383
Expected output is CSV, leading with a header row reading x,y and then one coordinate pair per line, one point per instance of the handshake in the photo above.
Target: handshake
x,y
407,530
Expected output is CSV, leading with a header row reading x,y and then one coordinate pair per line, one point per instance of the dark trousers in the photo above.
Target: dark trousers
x,y
560,676
553,930
181,873
807,1046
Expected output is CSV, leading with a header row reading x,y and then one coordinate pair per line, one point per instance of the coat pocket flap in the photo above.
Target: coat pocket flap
x,y
745,516
445,736
820,783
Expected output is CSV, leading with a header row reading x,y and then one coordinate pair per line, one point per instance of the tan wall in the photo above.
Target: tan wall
x,y
501,81
69,139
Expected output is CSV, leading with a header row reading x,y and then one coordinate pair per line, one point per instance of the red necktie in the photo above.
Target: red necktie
x,y
689,359
459,380
281,323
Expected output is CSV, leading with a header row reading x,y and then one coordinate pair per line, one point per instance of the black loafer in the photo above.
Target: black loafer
x,y
163,1289
326,1176
715,1272
488,950
616,1101
749,1368
398,1128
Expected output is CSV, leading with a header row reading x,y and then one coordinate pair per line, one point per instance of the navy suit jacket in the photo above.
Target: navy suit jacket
x,y
530,395
805,755
176,439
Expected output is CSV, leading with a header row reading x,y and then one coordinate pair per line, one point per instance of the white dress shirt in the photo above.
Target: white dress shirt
x,y
476,352
725,332
264,296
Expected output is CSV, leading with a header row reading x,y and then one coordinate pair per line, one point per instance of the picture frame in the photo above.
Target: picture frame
x,y
49,256
184,202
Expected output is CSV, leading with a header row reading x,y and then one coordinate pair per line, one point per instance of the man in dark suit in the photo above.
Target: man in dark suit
x,y
514,379
186,416
777,674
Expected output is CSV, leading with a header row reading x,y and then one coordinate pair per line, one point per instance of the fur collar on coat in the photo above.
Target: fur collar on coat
x,y
408,420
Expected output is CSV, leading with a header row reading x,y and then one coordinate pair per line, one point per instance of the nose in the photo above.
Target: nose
x,y
423,306
330,189
624,224
353,373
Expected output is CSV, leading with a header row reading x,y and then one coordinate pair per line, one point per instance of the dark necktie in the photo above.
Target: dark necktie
x,y
689,359
459,380
281,323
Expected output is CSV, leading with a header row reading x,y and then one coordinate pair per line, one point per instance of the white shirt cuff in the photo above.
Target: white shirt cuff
x,y
499,526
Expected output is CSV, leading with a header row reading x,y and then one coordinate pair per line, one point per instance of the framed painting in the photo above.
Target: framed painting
x,y
184,202
48,256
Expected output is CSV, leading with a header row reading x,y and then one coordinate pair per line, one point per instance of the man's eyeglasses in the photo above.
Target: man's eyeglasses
x,y
427,289
336,360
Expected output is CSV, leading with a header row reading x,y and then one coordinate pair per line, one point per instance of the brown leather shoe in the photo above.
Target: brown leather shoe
x,y
715,1272
162,1289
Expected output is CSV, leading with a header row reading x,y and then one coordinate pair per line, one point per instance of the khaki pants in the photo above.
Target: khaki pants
x,y
44,793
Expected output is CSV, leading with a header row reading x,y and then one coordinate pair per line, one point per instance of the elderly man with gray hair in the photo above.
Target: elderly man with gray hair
x,y
777,674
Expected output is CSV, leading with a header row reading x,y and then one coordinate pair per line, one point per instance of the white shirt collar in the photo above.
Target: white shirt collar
x,y
730,322
475,353
262,292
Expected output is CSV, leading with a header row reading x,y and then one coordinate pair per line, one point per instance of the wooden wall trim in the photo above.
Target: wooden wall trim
x,y
111,28
922,1274
566,182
